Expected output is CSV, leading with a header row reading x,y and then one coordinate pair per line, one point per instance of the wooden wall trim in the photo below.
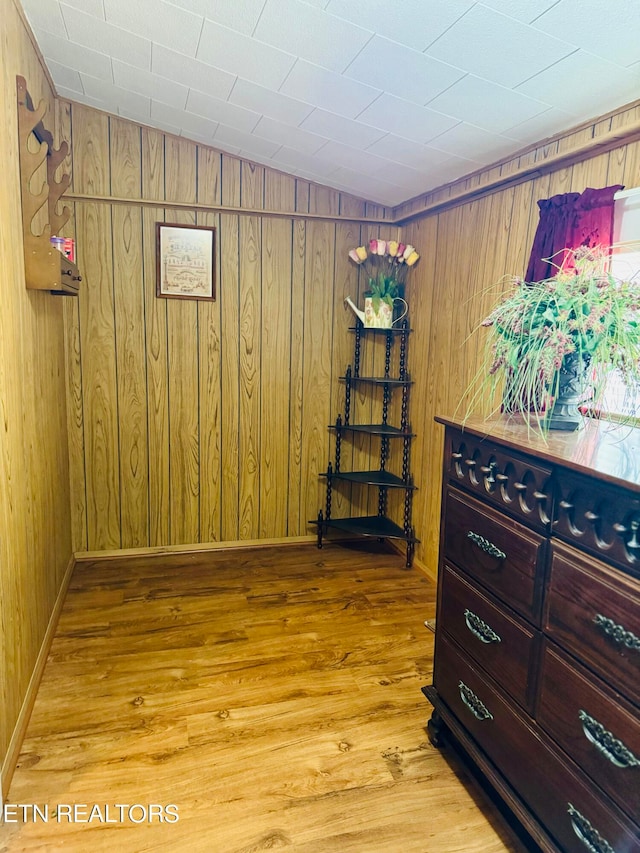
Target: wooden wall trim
x,y
236,544
15,744
552,162
204,547
526,171
222,208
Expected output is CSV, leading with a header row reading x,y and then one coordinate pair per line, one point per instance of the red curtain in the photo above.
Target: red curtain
x,y
566,222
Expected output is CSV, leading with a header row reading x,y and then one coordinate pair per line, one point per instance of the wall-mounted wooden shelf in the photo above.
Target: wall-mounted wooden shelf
x,y
45,267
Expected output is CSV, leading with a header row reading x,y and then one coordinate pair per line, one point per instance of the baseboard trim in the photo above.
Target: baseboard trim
x,y
203,547
422,567
19,731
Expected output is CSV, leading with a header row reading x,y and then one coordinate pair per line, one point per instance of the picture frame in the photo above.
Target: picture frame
x,y
185,261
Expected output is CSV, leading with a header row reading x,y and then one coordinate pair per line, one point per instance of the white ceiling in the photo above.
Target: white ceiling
x,y
385,99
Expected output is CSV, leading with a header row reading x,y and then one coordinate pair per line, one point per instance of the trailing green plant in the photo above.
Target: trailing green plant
x,y
584,310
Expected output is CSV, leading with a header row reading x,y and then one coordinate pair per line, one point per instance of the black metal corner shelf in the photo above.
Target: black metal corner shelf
x,y
370,478
376,380
373,429
377,526
402,329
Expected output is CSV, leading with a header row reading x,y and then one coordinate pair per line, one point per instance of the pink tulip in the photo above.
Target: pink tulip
x,y
353,254
382,247
373,247
401,248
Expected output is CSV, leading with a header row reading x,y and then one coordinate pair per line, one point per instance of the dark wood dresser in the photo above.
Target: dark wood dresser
x,y
537,656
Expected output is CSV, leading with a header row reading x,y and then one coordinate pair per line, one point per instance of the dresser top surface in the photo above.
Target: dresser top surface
x,y
602,449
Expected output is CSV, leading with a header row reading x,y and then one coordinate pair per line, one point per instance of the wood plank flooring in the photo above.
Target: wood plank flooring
x,y
272,695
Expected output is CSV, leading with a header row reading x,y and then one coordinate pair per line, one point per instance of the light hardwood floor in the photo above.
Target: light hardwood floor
x,y
272,695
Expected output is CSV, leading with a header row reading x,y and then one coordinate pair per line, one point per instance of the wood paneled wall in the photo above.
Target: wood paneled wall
x,y
466,250
132,421
35,527
196,421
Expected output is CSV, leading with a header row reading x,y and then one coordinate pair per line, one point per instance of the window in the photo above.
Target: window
x,y
625,264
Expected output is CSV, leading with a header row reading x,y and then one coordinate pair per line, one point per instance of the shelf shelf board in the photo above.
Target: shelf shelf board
x,y
394,330
371,478
373,429
377,380
377,526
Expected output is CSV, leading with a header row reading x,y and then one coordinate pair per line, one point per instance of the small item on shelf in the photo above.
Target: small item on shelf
x,y
380,318
388,261
69,249
58,243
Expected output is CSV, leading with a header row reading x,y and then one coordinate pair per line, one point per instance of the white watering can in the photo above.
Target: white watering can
x,y
380,319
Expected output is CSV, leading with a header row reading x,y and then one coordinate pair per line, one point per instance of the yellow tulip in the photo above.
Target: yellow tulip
x,y
361,252
392,246
413,257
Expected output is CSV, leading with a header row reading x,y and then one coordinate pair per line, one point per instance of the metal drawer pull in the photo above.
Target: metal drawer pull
x,y
477,708
589,836
618,633
479,628
606,743
485,545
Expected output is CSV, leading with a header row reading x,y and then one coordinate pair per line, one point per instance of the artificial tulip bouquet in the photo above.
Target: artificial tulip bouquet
x,y
388,262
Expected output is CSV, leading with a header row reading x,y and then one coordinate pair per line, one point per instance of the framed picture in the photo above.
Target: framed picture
x,y
185,261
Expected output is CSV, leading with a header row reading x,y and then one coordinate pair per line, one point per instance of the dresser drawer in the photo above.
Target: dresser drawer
x,y
563,799
500,642
594,612
588,721
500,553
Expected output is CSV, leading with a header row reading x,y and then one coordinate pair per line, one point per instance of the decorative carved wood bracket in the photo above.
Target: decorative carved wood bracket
x,y
45,267
502,478
605,522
